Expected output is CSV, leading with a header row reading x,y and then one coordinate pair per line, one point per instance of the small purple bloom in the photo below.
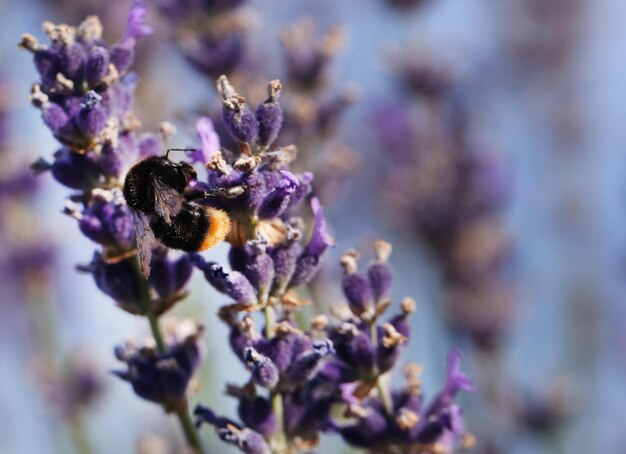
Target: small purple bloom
x,y
270,115
136,27
309,261
92,116
358,292
308,363
259,268
247,440
257,414
55,118
169,277
108,222
277,201
285,257
264,372
242,123
233,284
208,138
163,377
96,65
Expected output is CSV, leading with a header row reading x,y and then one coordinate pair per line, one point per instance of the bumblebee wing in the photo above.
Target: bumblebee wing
x,y
167,200
146,241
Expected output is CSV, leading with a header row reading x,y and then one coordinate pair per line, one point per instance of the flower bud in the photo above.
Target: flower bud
x,y
264,372
163,377
379,272
169,277
55,118
96,66
233,284
239,119
256,413
309,261
118,281
259,268
92,116
277,201
307,363
270,115
74,170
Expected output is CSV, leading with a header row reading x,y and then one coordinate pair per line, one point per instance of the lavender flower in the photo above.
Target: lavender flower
x,y
85,96
163,377
307,59
75,387
407,424
26,249
297,377
210,33
452,194
312,109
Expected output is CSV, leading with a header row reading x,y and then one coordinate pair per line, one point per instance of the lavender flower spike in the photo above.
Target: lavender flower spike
x,y
163,377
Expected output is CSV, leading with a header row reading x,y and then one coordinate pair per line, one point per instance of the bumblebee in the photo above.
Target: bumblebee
x,y
157,190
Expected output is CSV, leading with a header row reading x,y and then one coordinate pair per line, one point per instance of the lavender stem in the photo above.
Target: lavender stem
x,y
79,437
384,396
280,439
189,429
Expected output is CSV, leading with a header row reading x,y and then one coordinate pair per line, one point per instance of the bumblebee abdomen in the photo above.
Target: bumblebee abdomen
x,y
195,228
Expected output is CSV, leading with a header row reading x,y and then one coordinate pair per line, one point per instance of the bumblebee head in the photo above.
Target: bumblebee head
x,y
184,170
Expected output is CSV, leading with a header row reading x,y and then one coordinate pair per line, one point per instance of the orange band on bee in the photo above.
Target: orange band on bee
x,y
219,226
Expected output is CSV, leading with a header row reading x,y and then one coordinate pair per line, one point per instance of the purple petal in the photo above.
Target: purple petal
x,y
456,380
320,239
208,138
135,27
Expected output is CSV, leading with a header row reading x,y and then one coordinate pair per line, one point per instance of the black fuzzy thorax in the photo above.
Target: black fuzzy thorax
x,y
186,231
139,187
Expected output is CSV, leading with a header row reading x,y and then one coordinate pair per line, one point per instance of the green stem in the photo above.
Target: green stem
x,y
156,332
189,429
384,396
279,441
79,437
270,321
382,390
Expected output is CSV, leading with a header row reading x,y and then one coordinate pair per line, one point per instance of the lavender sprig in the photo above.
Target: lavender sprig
x,y
85,95
211,34
297,376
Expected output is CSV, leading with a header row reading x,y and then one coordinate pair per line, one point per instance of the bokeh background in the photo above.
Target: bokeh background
x,y
533,88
